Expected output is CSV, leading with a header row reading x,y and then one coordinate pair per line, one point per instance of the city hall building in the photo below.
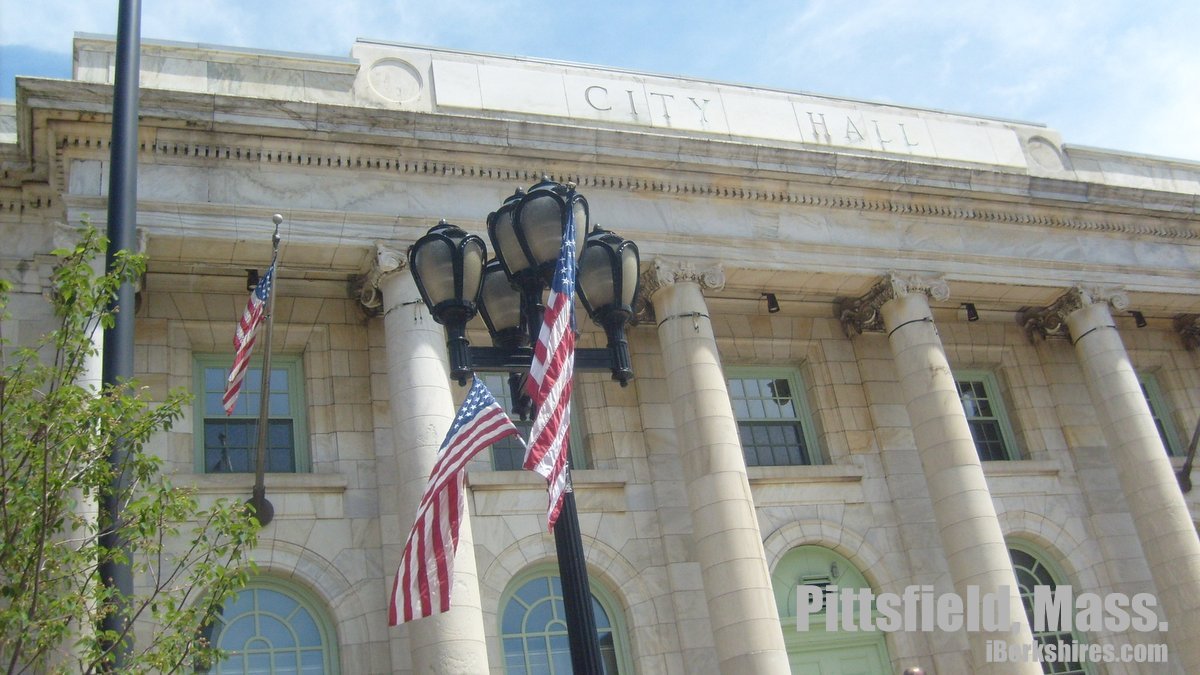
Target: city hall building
x,y
905,353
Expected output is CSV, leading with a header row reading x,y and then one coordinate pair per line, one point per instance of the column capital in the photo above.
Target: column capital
x,y
670,271
1051,321
388,259
1188,327
862,313
666,272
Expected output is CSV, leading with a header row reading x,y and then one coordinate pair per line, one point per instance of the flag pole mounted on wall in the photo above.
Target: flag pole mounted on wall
x,y
263,510
259,313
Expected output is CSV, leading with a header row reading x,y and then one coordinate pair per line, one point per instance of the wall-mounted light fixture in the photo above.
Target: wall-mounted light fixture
x,y
1139,319
772,302
251,279
972,313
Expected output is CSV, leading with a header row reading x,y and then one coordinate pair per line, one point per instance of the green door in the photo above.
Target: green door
x,y
867,656
817,651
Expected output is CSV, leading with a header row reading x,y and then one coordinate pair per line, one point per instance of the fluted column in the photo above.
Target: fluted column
x,y
422,409
1160,514
968,529
737,583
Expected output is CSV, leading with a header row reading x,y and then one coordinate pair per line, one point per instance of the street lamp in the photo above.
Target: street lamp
x,y
447,264
526,232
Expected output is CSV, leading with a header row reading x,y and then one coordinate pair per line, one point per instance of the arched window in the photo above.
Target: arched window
x,y
277,628
817,649
533,627
1032,570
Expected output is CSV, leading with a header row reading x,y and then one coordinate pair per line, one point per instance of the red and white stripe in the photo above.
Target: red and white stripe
x,y
426,573
550,380
552,374
244,337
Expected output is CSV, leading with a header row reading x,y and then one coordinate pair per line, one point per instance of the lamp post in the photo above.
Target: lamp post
x,y
455,284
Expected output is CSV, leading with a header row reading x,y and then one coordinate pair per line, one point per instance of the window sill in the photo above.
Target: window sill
x,y
1022,477
521,479
497,493
1020,468
822,484
807,473
294,495
285,482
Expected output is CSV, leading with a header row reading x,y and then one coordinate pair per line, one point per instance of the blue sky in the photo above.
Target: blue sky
x,y
1105,73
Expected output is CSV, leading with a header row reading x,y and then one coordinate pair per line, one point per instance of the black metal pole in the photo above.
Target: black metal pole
x,y
568,544
577,593
118,340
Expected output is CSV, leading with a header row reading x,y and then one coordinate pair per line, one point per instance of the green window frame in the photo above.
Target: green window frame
x,y
1032,569
979,393
228,444
774,421
533,628
508,454
276,627
1158,410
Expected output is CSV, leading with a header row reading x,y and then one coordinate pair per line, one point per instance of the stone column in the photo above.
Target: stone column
x,y
969,531
729,549
422,409
1160,514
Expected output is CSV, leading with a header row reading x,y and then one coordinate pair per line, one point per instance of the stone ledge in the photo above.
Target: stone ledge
x,y
822,484
1021,468
817,473
1023,477
293,495
233,483
521,480
497,493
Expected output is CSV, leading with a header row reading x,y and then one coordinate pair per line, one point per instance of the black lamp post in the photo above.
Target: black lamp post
x,y
526,232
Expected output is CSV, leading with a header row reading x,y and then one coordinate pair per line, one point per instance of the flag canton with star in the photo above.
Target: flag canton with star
x,y
478,398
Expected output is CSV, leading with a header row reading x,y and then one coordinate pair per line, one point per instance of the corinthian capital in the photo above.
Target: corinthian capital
x,y
387,261
670,271
862,314
1051,321
1188,327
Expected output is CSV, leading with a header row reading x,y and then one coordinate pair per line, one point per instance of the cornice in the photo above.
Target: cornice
x,y
946,200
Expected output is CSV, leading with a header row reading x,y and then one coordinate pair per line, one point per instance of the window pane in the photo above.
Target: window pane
x,y
312,662
514,656
231,442
306,629
1031,573
560,654
276,603
534,631
984,413
769,422
275,632
236,633
270,631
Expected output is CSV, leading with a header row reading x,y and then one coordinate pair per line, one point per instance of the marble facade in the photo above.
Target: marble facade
x,y
730,192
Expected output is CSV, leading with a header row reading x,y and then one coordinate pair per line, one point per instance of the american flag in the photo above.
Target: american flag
x,y
426,573
550,377
243,338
